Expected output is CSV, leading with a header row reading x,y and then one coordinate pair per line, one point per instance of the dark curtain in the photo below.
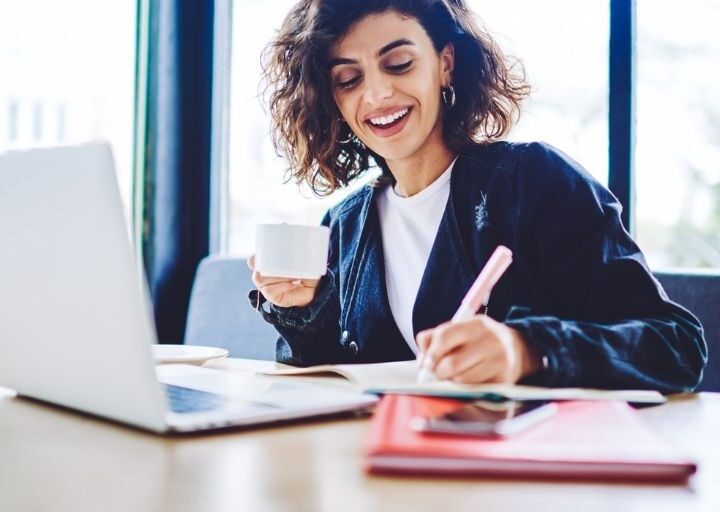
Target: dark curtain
x,y
176,192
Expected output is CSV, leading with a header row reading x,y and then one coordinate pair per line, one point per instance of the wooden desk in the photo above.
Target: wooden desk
x,y
54,460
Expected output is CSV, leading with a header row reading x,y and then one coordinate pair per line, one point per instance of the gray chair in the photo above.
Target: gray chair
x,y
220,315
700,293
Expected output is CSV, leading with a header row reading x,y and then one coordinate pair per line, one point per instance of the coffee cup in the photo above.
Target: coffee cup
x,y
292,250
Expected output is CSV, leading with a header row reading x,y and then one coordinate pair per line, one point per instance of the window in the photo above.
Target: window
x,y
564,47
566,63
68,73
677,155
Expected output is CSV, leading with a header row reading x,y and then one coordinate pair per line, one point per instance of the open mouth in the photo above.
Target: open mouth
x,y
390,124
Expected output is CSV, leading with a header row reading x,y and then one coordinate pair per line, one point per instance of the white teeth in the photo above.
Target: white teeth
x,y
380,121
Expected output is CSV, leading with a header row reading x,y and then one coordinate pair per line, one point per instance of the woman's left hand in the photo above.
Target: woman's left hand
x,y
476,351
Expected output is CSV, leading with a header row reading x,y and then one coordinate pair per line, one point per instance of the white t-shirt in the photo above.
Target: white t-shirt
x,y
409,226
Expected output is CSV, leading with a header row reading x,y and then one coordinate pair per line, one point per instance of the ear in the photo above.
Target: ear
x,y
447,64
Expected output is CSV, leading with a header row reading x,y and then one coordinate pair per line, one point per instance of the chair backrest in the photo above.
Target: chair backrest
x,y
220,315
700,293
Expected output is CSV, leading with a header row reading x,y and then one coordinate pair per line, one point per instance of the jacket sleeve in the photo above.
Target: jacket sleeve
x,y
308,335
604,320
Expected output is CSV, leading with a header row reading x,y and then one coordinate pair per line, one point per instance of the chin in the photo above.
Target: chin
x,y
400,150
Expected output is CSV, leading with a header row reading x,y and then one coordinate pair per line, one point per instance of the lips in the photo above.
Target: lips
x,y
391,128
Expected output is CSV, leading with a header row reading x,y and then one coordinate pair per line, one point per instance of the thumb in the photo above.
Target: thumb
x,y
251,262
423,339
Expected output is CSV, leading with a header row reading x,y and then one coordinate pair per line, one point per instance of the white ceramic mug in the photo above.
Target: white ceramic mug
x,y
292,250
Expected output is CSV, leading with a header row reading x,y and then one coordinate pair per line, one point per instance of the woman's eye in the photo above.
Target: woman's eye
x,y
399,68
344,84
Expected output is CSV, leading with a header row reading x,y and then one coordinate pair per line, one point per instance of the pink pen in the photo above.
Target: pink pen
x,y
477,295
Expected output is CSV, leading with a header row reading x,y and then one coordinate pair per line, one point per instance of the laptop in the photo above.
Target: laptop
x,y
76,326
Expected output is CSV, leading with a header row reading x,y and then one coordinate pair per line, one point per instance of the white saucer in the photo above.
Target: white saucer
x,y
186,354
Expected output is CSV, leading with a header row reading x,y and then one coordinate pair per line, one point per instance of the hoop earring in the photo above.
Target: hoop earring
x,y
448,96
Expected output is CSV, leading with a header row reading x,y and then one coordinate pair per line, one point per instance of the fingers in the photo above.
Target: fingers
x,y
477,361
423,339
286,294
447,337
278,287
261,281
484,372
475,351
283,291
308,283
459,361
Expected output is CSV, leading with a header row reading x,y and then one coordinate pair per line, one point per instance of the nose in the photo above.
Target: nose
x,y
378,88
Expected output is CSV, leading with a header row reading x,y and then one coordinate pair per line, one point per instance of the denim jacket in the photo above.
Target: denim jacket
x,y
579,289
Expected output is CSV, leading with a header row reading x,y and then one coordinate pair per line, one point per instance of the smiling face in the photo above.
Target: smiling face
x,y
386,78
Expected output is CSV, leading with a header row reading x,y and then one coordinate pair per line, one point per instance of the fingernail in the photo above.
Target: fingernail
x,y
297,282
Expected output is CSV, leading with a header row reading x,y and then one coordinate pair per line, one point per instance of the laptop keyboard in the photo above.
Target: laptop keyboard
x,y
192,400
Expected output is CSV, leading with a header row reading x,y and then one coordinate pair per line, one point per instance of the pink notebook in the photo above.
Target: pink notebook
x,y
584,440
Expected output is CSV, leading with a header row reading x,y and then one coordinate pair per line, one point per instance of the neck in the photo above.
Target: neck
x,y
423,167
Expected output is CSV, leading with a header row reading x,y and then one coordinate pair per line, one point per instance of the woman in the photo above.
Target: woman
x,y
416,87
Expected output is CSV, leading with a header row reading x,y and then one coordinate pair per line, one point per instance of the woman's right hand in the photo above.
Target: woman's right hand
x,y
283,291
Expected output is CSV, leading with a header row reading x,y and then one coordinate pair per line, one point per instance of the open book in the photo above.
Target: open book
x,y
400,378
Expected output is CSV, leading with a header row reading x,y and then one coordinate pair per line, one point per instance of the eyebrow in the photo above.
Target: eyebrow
x,y
382,51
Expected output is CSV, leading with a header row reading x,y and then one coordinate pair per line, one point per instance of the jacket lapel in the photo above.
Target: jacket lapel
x,y
377,332
453,265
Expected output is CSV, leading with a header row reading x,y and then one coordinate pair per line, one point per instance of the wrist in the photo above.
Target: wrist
x,y
529,360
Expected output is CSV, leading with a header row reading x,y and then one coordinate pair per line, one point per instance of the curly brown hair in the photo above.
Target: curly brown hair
x,y
308,130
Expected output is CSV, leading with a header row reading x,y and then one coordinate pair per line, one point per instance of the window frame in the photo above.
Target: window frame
x,y
621,106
